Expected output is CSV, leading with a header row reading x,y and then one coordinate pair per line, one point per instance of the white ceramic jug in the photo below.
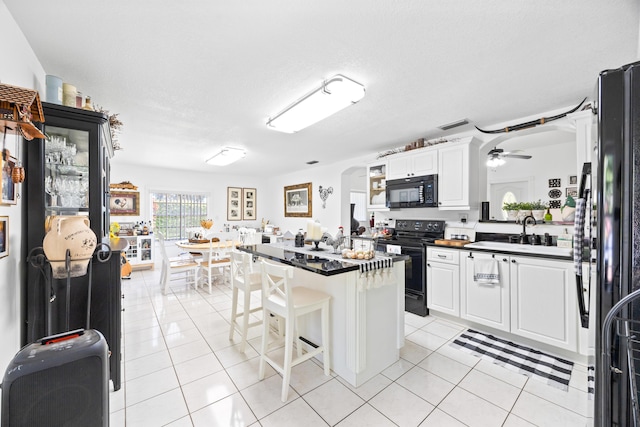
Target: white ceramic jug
x,y
73,233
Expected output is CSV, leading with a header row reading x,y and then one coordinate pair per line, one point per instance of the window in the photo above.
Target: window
x,y
174,213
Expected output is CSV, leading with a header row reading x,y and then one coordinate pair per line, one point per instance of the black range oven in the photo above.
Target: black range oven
x,y
412,236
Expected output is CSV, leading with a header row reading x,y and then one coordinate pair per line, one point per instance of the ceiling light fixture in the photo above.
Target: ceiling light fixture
x,y
494,162
333,95
226,156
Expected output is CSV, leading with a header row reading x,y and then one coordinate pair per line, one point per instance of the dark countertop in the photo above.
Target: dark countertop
x,y
527,254
314,263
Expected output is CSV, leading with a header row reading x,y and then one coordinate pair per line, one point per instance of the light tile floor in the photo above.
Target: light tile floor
x,y
180,369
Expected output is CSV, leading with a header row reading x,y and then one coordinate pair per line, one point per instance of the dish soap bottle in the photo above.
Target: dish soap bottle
x,y
548,217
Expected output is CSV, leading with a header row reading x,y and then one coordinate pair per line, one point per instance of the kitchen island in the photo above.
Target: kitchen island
x,y
366,311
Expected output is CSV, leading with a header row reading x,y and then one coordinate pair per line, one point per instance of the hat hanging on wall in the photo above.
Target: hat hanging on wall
x,y
18,107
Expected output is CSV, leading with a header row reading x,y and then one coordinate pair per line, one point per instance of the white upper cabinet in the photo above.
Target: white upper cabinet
x,y
458,174
376,185
418,162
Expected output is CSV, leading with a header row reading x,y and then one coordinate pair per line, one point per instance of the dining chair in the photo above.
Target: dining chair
x,y
186,267
215,262
282,299
244,279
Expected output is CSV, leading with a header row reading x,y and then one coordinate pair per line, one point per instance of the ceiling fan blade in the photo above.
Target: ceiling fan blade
x,y
517,156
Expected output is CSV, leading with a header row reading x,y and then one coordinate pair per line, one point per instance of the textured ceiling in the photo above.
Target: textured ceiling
x,y
190,77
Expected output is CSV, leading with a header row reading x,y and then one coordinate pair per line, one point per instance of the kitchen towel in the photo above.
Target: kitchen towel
x,y
528,361
486,272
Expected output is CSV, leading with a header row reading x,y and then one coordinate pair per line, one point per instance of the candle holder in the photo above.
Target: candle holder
x,y
316,243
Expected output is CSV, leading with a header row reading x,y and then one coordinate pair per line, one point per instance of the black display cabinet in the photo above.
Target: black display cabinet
x,y
68,174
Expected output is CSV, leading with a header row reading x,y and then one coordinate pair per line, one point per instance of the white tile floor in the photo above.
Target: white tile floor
x,y
180,369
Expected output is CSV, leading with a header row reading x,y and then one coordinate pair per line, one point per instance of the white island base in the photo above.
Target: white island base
x,y
367,319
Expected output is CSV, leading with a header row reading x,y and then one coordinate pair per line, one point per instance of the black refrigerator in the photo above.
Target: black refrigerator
x,y
618,228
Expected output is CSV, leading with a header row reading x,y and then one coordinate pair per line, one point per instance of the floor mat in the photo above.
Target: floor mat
x,y
525,360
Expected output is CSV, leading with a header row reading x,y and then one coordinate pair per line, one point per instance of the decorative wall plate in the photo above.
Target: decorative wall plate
x,y
555,204
554,182
555,193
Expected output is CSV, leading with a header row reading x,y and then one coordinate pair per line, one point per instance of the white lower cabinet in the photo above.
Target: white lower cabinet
x,y
486,304
443,280
543,301
140,252
535,297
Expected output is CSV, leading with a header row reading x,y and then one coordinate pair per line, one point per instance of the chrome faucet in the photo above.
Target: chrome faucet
x,y
524,239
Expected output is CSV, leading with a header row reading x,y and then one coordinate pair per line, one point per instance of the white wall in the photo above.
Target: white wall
x,y
214,185
270,192
19,67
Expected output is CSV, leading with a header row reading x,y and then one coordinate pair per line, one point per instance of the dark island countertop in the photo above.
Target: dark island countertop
x,y
322,262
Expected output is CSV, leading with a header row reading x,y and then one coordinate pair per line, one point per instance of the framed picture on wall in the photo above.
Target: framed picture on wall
x,y
297,200
4,236
124,203
249,204
9,189
234,203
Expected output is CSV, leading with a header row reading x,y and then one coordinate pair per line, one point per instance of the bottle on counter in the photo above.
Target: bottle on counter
x,y
299,242
548,217
372,221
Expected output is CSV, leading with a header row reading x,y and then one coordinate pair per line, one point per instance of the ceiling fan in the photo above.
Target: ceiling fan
x,y
496,156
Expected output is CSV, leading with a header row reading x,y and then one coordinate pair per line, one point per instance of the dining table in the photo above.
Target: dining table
x,y
202,246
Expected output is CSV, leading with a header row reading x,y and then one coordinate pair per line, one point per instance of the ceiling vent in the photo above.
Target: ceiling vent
x,y
455,124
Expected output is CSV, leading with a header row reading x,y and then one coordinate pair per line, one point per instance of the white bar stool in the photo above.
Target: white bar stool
x,y
243,279
281,299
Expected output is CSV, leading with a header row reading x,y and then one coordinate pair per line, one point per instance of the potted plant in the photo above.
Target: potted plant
x,y
538,210
512,210
524,211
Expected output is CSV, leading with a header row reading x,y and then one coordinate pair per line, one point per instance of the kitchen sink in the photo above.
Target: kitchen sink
x,y
519,248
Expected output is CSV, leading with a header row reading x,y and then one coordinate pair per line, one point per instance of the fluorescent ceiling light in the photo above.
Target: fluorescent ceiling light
x,y
226,155
332,96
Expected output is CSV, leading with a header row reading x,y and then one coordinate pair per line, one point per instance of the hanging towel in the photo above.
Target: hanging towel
x,y
578,235
486,271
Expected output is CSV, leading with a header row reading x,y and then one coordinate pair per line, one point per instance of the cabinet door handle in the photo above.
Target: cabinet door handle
x,y
428,265
513,261
504,259
441,256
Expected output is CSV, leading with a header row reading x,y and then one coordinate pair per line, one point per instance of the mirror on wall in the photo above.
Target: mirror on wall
x,y
548,175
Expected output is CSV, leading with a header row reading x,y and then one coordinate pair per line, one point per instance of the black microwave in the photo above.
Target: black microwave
x,y
414,192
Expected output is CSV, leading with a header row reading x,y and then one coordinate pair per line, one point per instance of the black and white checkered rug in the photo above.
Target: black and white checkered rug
x,y
525,360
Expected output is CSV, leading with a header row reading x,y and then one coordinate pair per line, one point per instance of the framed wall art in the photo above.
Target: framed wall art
x,y
9,189
4,236
297,200
249,206
124,203
572,191
234,204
